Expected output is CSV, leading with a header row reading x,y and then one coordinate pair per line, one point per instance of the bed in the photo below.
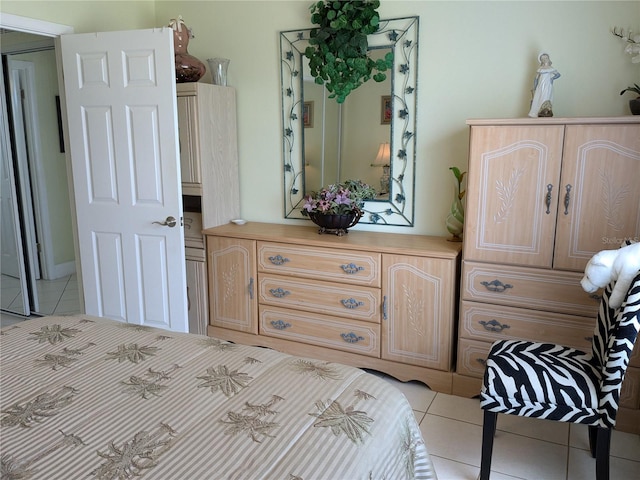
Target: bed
x,y
87,397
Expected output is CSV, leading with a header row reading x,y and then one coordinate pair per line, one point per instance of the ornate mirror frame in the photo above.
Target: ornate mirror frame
x,y
401,35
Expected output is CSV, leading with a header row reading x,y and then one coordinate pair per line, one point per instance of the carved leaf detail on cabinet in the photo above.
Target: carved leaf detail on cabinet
x,y
612,200
229,279
506,194
415,306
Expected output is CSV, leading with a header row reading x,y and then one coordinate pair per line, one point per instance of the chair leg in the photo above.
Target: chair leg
x,y
488,432
602,453
593,438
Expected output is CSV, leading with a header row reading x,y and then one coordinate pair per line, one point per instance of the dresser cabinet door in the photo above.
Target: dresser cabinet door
x,y
600,192
417,310
512,194
197,294
232,284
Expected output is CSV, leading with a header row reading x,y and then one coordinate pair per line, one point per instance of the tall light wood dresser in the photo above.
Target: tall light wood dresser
x,y
543,196
373,300
210,185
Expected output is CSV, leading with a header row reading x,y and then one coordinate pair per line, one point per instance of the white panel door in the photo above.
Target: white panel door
x,y
122,116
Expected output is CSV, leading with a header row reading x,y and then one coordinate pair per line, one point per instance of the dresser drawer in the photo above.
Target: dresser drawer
x,y
322,330
320,263
472,357
193,230
350,301
539,289
489,323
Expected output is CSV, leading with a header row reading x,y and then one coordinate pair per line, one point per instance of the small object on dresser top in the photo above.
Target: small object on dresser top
x,y
238,221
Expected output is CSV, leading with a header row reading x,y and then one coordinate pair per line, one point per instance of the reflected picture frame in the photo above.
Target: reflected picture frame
x,y
385,110
307,114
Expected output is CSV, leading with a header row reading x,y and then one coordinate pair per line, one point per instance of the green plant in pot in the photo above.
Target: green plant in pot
x,y
338,49
634,104
338,207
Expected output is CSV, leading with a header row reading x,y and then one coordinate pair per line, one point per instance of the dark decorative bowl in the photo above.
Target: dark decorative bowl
x,y
337,224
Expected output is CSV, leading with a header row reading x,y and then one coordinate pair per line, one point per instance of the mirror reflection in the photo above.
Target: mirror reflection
x,y
341,141
370,137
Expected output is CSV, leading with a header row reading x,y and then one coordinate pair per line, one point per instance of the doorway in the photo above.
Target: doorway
x,y
40,276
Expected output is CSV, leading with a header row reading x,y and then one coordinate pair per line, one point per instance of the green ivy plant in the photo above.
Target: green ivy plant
x,y
338,48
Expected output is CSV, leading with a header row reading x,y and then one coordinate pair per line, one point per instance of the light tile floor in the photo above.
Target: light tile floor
x,y
59,296
524,448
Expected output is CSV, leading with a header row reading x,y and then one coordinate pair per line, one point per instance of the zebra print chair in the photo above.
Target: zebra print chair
x,y
559,383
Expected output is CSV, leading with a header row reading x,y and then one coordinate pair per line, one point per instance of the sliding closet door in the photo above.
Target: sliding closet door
x,y
122,117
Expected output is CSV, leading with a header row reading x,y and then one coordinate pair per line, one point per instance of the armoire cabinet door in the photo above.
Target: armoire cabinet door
x,y
232,284
418,310
188,137
512,194
600,192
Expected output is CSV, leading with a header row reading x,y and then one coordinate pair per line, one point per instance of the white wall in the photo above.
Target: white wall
x,y
477,59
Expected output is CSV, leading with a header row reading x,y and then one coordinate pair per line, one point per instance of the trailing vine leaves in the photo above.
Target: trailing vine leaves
x,y
338,48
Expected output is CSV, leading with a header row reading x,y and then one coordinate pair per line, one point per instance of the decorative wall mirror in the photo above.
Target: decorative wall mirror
x,y
370,137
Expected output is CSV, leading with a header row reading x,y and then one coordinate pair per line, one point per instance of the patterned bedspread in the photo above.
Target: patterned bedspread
x,y
83,397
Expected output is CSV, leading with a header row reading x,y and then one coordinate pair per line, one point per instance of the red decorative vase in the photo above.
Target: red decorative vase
x,y
188,67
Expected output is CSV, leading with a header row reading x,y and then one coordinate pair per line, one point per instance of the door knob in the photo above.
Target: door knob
x,y
169,222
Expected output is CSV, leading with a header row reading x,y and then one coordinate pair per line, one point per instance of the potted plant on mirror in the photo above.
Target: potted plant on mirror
x,y
338,207
338,49
634,103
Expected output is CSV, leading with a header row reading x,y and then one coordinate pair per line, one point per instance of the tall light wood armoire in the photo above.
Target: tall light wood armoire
x,y
543,196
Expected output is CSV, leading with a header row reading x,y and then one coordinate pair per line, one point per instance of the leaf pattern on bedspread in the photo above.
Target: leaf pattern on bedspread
x,y
219,345
353,423
315,369
43,406
410,445
361,395
133,353
16,468
144,388
220,378
65,360
254,426
55,334
132,458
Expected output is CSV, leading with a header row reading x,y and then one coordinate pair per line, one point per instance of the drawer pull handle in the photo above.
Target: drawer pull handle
x,y
351,337
596,297
589,339
547,198
567,199
351,303
279,292
496,286
481,361
278,260
351,268
493,325
384,307
279,324
251,288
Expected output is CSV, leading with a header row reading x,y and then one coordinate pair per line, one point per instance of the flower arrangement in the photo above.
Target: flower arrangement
x,y
632,41
339,199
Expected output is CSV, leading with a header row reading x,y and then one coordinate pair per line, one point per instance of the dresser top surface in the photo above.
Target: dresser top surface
x,y
397,243
626,119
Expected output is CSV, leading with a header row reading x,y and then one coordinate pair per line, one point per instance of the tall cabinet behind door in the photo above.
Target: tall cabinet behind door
x,y
210,187
543,196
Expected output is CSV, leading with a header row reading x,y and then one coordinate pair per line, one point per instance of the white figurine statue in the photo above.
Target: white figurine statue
x,y
541,105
